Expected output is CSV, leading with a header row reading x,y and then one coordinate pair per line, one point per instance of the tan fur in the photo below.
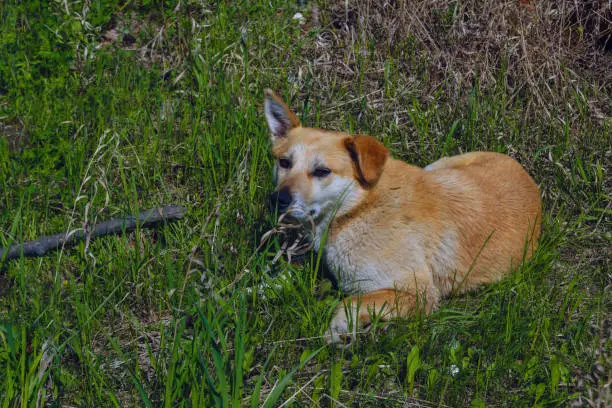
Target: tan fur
x,y
402,237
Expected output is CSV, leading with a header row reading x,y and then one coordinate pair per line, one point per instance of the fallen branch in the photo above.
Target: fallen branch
x,y
146,219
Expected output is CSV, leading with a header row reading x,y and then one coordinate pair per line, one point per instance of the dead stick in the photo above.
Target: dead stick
x,y
145,219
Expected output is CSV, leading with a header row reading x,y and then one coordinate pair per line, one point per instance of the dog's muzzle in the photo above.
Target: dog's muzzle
x,y
280,200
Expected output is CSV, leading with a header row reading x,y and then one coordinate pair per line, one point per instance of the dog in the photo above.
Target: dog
x,y
398,237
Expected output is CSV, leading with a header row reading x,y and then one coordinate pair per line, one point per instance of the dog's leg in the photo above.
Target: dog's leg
x,y
357,311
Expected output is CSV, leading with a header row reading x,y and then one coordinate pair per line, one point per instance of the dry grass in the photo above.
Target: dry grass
x,y
542,51
294,236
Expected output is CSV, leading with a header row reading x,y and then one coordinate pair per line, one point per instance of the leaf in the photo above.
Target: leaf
x,y
477,403
413,363
335,380
280,386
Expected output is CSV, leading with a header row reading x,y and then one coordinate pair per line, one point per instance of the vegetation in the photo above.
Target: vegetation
x,y
110,107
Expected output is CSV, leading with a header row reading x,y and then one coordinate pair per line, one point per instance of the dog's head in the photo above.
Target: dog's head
x,y
318,172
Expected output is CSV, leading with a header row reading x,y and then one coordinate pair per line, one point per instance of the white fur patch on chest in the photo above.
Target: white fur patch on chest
x,y
354,273
365,261
359,266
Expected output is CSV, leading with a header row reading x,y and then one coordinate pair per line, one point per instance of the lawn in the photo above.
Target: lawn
x,y
112,107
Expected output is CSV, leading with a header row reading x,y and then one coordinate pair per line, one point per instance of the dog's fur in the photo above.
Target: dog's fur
x,y
399,237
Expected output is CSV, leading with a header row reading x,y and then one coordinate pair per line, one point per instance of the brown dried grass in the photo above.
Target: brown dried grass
x,y
295,237
542,51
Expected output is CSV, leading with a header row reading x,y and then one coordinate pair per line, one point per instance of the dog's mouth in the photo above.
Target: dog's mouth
x,y
305,216
297,215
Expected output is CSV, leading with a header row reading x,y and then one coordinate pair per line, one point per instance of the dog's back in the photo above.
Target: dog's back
x,y
494,207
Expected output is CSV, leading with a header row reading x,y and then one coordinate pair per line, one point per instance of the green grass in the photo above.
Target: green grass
x,y
171,114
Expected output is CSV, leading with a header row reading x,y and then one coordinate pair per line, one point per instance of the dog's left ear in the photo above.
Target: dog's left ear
x,y
280,118
369,157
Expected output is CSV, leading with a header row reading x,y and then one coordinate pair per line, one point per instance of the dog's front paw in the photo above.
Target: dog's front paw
x,y
342,329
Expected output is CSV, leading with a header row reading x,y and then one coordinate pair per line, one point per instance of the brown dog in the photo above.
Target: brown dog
x,y
397,236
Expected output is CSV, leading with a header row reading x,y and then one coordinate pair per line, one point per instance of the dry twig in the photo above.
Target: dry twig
x,y
145,219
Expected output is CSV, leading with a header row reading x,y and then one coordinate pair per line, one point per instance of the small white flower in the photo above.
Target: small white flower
x,y
299,17
454,370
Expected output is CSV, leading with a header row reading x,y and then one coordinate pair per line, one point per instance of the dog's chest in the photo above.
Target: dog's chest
x,y
349,257
365,259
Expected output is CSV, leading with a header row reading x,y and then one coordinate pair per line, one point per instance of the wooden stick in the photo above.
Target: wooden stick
x,y
146,219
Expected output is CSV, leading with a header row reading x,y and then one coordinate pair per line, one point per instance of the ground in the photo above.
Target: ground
x,y
111,107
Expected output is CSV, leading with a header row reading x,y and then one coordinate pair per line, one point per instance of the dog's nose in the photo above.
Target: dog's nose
x,y
280,199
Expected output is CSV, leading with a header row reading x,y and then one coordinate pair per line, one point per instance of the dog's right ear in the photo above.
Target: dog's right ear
x,y
280,118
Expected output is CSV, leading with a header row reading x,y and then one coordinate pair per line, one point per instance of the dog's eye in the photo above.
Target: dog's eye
x,y
321,172
284,163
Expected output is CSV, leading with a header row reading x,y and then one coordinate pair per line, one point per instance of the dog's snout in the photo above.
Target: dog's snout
x,y
281,199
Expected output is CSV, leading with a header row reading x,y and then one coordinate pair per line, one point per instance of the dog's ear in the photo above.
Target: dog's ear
x,y
280,118
369,157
